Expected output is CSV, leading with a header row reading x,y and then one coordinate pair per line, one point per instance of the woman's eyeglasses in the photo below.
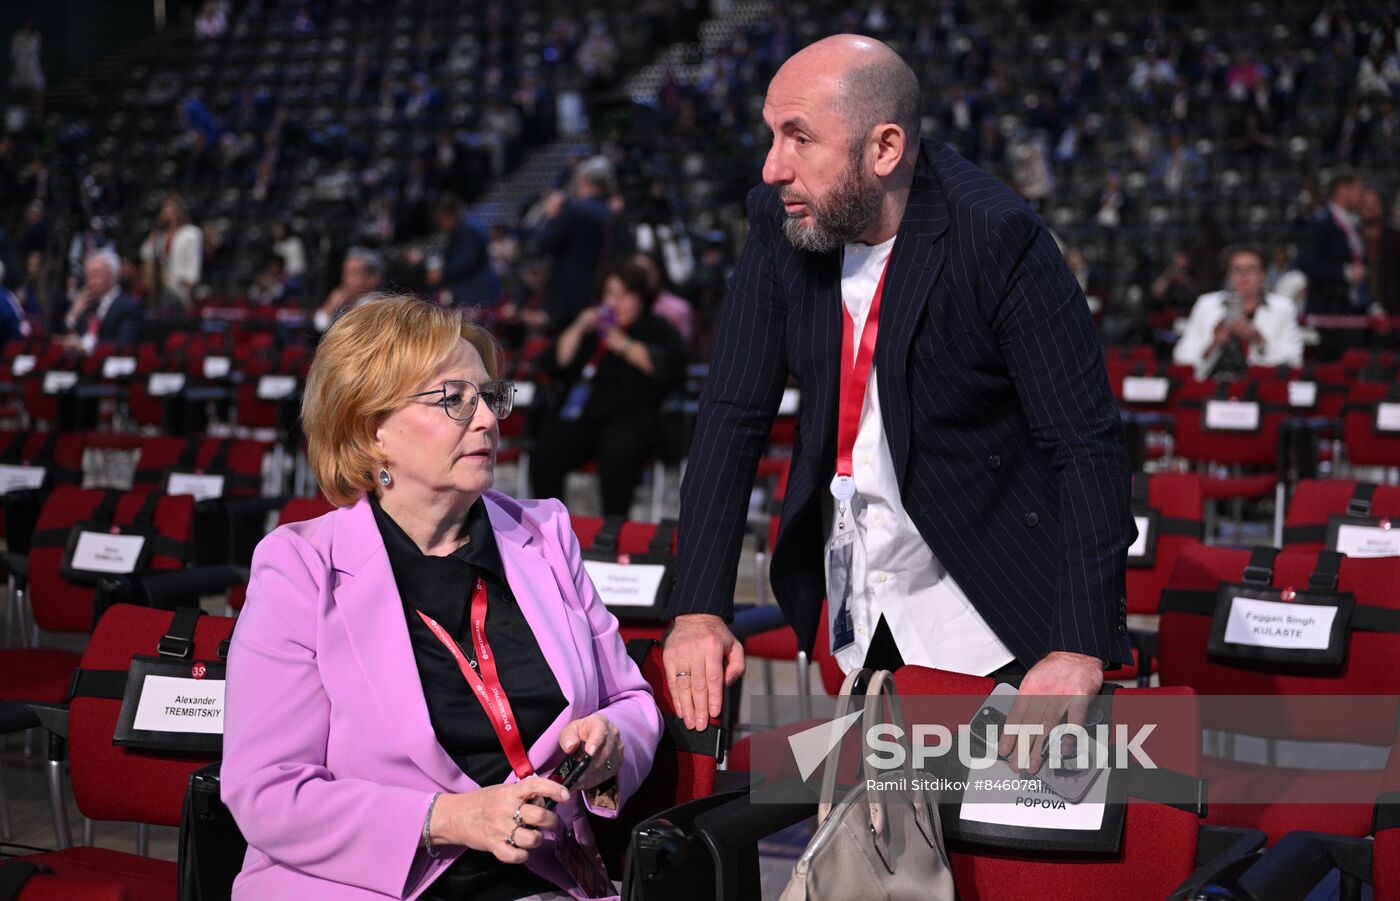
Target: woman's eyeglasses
x,y
458,398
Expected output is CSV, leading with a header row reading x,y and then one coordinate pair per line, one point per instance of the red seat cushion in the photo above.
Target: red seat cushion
x,y
1234,779
102,873
36,674
775,644
1239,486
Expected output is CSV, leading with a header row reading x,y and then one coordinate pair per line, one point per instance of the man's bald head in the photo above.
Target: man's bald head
x,y
869,83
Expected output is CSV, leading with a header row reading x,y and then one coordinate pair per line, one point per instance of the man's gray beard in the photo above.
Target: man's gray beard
x,y
839,218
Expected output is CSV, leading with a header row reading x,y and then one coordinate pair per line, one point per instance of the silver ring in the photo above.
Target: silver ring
x,y
678,675
510,839
516,816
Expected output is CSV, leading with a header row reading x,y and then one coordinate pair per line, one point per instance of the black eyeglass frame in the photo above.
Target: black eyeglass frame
x,y
506,386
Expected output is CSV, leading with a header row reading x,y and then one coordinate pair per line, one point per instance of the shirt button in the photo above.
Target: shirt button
x,y
882,577
879,517
1032,519
865,459
861,631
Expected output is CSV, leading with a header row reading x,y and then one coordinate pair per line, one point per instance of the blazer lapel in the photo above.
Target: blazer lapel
x,y
369,599
915,263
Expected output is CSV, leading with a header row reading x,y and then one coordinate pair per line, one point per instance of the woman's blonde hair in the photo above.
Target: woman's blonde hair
x,y
370,359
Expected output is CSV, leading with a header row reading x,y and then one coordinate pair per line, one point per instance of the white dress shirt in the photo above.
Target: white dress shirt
x,y
894,572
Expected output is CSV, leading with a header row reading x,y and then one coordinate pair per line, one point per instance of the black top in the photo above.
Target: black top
x,y
618,386
442,587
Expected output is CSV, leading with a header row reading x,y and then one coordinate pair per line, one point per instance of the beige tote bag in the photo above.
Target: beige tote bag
x,y
886,845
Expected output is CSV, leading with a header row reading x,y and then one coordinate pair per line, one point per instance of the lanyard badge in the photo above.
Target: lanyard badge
x,y
855,376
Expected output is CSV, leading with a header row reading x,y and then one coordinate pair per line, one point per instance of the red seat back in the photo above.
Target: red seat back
x,y
1194,442
112,782
1175,496
63,606
1158,851
1366,446
1316,500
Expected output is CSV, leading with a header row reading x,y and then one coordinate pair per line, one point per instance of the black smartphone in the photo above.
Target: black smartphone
x,y
567,774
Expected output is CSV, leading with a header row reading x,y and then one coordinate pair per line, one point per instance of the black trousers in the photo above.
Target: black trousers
x,y
620,444
883,653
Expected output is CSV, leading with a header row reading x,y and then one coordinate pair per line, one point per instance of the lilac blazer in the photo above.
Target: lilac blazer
x,y
330,759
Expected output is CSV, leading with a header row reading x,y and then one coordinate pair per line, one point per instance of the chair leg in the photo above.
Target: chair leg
x,y
658,489
6,831
89,832
63,835
804,685
1280,500
143,840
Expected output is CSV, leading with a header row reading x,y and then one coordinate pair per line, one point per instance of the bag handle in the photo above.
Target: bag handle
x,y
878,684
882,686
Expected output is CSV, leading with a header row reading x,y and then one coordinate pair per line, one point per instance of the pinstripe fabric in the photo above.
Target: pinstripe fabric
x,y
995,403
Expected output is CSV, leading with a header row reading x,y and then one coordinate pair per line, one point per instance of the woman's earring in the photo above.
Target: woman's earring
x,y
384,477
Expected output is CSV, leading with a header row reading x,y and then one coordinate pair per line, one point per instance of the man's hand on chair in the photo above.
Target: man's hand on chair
x,y
1058,688
701,656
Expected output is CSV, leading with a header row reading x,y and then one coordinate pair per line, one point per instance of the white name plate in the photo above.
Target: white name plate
x,y
23,365
1030,805
1302,394
792,399
626,585
164,384
524,394
1232,415
105,553
1388,417
1139,546
118,367
202,486
217,367
1368,541
170,704
276,387
1139,389
59,380
1275,624
19,478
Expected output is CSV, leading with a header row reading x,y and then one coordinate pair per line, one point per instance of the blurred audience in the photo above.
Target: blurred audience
x,y
1242,326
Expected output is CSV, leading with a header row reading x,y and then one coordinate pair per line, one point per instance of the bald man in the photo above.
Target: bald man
x,y
960,490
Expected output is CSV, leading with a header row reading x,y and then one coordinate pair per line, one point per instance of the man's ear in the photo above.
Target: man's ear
x,y
889,148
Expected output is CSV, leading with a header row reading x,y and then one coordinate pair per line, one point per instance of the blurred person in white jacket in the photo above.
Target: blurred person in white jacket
x,y
1242,326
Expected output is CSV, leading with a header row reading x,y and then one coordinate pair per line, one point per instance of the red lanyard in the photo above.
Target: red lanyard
x,y
487,685
855,375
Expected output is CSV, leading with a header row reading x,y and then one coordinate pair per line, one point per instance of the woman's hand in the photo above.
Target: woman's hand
x,y
617,341
599,739
484,820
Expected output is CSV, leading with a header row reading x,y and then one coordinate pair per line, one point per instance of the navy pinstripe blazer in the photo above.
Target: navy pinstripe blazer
x,y
995,403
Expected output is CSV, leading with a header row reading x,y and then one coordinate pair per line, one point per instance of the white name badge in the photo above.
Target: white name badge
x,y
524,394
1139,546
792,399
164,384
18,478
118,367
276,387
1138,389
170,704
59,380
1030,805
105,553
1302,394
626,585
1368,541
202,487
23,365
1232,415
1388,417
217,367
1275,624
